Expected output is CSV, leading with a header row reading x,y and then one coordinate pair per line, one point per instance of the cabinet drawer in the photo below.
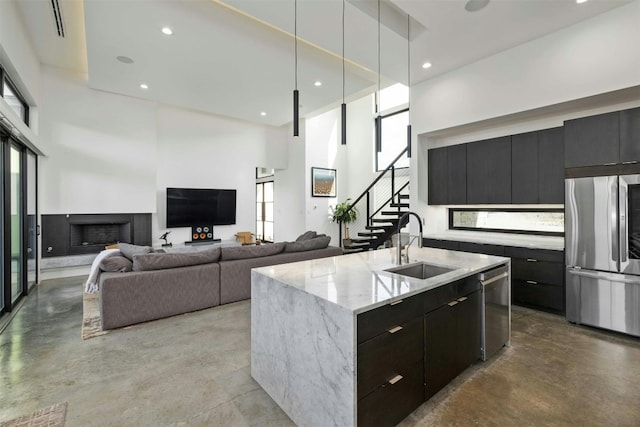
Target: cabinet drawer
x,y
441,244
381,319
536,254
551,273
540,295
383,356
438,297
391,403
482,248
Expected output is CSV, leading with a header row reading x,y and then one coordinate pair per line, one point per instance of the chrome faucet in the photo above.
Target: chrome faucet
x,y
410,241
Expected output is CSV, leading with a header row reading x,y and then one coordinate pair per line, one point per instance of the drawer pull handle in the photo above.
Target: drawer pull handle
x,y
630,163
461,299
531,282
531,260
394,330
396,302
395,379
452,303
609,164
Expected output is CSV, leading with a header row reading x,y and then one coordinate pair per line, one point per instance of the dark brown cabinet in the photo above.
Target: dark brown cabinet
x,y
537,164
452,337
489,171
605,139
551,166
524,167
537,278
630,135
482,248
593,140
448,175
440,244
390,362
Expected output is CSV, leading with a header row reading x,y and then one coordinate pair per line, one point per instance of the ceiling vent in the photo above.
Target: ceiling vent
x,y
57,17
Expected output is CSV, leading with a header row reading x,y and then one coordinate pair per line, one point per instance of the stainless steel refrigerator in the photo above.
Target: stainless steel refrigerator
x,y
602,234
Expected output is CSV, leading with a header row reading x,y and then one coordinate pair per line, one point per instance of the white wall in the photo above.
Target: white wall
x,y
595,56
109,153
590,68
101,149
205,151
17,54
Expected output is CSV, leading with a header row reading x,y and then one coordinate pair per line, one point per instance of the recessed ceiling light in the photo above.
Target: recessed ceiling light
x,y
426,65
124,59
581,1
144,86
167,31
318,83
475,5
263,113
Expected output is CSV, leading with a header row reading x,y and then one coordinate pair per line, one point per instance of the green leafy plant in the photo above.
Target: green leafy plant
x,y
342,213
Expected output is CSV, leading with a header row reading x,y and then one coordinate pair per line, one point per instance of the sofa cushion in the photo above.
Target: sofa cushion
x,y
245,252
156,261
129,250
116,263
306,236
308,245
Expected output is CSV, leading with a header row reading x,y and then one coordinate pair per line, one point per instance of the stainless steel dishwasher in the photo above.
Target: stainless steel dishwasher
x,y
496,310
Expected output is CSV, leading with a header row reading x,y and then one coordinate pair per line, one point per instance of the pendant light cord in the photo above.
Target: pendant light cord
x,y
343,84
409,59
295,35
378,100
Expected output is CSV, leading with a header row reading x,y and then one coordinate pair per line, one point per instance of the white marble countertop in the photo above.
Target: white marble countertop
x,y
358,282
519,240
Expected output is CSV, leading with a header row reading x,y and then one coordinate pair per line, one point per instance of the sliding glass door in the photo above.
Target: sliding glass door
x,y
16,214
18,225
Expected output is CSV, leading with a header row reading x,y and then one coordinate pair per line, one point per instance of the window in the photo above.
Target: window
x,y
394,140
393,103
13,98
549,222
264,211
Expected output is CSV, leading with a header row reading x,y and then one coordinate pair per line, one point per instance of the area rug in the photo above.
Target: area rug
x,y
91,322
52,416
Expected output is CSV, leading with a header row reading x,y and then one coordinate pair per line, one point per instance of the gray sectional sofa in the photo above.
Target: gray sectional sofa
x,y
163,285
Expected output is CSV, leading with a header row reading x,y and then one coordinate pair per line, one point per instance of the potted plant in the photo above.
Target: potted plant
x,y
342,213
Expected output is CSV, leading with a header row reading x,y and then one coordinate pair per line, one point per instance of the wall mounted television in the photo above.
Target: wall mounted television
x,y
191,207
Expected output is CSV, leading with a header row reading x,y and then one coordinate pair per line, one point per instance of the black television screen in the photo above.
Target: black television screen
x,y
192,207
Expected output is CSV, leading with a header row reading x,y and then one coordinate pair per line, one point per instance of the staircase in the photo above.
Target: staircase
x,y
379,207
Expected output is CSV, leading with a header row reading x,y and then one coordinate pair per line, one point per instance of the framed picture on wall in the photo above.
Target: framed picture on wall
x,y
323,182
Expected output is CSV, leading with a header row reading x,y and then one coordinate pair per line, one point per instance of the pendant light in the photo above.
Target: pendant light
x,y
296,111
409,84
343,107
378,117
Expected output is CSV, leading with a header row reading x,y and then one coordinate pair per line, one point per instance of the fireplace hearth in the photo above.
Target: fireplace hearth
x,y
77,234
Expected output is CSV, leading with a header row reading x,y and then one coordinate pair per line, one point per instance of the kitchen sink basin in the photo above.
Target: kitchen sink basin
x,y
419,270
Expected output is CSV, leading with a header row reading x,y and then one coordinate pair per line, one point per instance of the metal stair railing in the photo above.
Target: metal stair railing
x,y
383,192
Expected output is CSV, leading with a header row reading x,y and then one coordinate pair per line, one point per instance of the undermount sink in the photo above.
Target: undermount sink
x,y
419,270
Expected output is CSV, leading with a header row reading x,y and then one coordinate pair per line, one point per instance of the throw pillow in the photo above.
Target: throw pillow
x,y
306,236
245,252
128,250
159,261
116,263
308,245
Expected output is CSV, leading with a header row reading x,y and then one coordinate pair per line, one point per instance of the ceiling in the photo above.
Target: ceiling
x,y
235,58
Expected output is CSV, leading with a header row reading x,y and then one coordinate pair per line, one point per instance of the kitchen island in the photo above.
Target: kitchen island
x,y
341,342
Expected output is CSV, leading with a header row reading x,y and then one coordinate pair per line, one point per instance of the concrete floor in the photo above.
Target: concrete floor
x,y
194,370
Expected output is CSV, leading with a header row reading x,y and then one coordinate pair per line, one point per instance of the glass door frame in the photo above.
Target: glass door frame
x,y
7,144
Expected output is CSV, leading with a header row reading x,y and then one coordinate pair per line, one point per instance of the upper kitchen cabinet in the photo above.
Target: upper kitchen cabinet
x,y
551,166
489,171
592,141
448,175
630,135
604,139
524,165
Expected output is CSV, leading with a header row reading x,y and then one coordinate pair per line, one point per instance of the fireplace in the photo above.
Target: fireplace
x,y
89,233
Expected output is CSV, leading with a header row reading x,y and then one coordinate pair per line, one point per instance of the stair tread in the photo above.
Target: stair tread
x,y
399,205
393,213
404,196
